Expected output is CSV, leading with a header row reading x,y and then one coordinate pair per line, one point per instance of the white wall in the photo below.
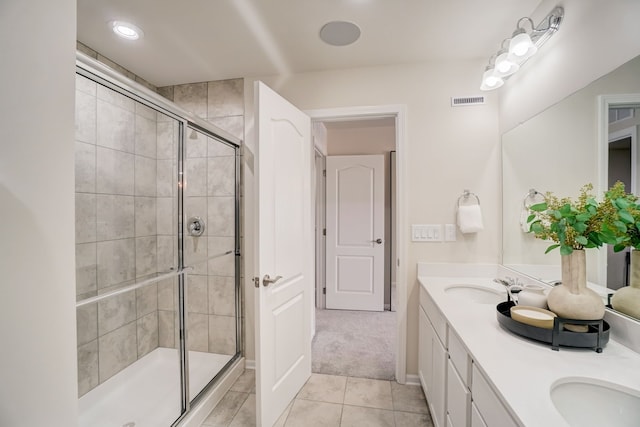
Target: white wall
x,y
37,303
595,37
448,150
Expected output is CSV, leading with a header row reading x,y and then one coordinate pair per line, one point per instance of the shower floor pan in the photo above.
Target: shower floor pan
x,y
147,393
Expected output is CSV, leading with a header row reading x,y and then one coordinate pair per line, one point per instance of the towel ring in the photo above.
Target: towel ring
x,y
531,195
465,196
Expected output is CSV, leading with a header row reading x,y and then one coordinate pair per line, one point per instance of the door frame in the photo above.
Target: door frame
x,y
399,112
321,200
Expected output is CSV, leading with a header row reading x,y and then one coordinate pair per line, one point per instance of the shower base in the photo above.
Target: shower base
x,y
147,393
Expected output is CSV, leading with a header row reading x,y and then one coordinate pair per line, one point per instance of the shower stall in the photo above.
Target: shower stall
x,y
157,254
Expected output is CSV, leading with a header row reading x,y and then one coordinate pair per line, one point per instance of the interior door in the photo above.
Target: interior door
x,y
355,232
284,285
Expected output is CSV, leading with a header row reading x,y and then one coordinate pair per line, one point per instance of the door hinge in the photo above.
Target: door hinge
x,y
324,291
324,172
324,231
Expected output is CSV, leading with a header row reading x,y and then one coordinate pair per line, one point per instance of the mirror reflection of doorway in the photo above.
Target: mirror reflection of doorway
x,y
619,170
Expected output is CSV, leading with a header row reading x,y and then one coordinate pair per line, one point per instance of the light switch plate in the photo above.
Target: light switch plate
x,y
449,233
426,233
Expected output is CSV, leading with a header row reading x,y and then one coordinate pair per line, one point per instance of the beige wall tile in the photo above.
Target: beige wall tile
x,y
145,176
86,85
167,178
145,132
221,176
196,144
86,105
115,127
88,376
115,217
196,177
224,265
85,218
195,254
222,291
147,329
166,91
231,124
146,300
217,148
167,289
146,216
118,350
226,98
222,334
146,256
85,167
116,262
166,329
198,331
87,323
86,268
197,294
165,215
192,97
115,172
166,254
167,139
221,216
116,311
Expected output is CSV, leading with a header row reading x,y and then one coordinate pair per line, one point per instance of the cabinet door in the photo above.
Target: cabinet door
x,y
425,345
476,419
439,381
458,398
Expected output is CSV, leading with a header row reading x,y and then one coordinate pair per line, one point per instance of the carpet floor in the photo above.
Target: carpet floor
x,y
355,343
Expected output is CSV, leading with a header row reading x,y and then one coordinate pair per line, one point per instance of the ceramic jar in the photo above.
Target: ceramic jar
x,y
533,296
572,299
627,300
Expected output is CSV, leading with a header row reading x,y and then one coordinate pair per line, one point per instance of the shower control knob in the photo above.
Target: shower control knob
x,y
196,226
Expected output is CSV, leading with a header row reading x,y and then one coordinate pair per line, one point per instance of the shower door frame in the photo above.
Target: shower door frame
x,y
103,75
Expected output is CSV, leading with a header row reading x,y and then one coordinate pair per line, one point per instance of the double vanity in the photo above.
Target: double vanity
x,y
476,373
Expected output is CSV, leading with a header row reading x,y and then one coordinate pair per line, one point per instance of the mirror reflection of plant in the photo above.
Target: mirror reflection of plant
x,y
626,225
574,225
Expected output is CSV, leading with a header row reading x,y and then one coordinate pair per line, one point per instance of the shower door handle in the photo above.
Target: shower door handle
x,y
266,280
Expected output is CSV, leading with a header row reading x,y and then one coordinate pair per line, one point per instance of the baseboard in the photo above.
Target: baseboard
x,y
249,364
412,380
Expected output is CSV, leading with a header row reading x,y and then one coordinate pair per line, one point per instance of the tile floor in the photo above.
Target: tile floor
x,y
329,401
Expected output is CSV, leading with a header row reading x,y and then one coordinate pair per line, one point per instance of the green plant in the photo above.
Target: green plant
x,y
573,225
626,225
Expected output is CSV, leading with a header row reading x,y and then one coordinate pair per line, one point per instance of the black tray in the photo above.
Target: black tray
x,y
596,337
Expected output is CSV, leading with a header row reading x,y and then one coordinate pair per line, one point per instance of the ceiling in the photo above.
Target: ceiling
x,y
202,40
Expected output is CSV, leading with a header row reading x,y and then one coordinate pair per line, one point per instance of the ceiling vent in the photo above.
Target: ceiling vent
x,y
460,101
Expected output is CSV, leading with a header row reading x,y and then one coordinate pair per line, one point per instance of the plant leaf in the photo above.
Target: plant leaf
x,y
531,217
550,248
582,240
626,217
538,207
566,250
619,247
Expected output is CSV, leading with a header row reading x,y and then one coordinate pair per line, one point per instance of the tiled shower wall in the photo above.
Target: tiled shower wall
x,y
126,225
125,164
209,194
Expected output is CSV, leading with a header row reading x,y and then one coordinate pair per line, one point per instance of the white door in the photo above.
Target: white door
x,y
355,232
285,254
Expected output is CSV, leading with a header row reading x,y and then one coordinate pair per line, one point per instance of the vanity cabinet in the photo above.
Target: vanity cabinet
x,y
457,392
432,361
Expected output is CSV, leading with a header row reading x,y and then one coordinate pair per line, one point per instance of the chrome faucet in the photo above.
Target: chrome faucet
x,y
513,286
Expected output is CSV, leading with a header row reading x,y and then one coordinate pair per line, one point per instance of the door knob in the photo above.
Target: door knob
x,y
266,280
378,241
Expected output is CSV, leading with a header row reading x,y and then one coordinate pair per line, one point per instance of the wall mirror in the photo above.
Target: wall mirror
x,y
589,137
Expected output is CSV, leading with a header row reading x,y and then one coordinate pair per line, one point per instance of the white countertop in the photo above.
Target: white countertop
x,y
522,371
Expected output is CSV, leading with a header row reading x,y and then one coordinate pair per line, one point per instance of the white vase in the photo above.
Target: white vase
x,y
572,299
533,296
627,300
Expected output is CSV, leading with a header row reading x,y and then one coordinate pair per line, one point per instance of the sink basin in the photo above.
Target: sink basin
x,y
587,402
478,294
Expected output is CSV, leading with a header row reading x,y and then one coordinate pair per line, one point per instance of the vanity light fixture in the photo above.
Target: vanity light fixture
x,y
126,30
522,46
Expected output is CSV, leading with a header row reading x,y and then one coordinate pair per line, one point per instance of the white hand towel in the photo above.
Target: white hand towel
x,y
470,218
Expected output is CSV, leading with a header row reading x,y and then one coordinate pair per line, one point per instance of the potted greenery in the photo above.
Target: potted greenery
x,y
627,227
574,226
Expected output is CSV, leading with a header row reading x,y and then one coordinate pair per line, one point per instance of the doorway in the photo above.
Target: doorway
x,y
352,150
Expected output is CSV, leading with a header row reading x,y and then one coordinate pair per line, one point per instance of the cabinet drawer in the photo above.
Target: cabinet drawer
x,y
488,404
458,398
435,317
460,358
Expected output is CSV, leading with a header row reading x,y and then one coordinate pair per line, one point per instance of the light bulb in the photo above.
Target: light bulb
x,y
126,30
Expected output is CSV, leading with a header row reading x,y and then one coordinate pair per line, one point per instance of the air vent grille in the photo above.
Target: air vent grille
x,y
460,101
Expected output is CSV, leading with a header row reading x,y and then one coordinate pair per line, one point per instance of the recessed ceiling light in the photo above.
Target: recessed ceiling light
x,y
126,30
339,33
